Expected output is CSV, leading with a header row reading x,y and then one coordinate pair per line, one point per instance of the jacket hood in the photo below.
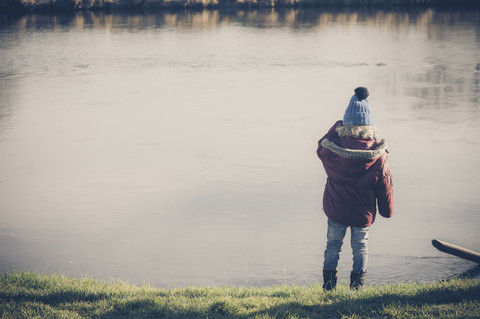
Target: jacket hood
x,y
356,154
357,131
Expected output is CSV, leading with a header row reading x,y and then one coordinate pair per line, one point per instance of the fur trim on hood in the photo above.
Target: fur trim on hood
x,y
357,131
356,154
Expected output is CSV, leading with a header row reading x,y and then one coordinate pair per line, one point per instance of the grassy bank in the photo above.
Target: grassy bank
x,y
31,295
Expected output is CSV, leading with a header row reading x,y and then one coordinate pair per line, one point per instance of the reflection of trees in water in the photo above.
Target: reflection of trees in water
x,y
7,90
446,85
8,77
285,17
476,84
440,79
450,75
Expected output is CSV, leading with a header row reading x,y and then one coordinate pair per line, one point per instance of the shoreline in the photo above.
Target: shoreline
x,y
42,6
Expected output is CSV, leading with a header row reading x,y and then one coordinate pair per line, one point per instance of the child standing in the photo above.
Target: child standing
x,y
358,179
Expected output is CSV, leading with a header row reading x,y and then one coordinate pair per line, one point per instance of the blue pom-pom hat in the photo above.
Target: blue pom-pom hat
x,y
358,110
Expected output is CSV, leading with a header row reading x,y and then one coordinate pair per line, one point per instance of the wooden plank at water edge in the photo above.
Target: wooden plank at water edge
x,y
456,251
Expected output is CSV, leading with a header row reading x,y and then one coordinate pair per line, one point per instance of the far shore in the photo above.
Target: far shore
x,y
23,6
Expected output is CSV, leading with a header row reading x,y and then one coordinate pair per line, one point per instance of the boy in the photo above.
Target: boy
x,y
358,178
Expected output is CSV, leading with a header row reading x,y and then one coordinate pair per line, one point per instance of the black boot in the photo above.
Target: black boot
x,y
357,279
329,279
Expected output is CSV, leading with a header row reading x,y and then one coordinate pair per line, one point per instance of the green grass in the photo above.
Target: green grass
x,y
33,295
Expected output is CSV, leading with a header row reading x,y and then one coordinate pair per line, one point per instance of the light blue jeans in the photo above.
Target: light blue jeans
x,y
359,242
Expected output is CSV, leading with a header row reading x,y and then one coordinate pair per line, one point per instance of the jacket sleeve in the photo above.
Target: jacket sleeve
x,y
384,191
331,133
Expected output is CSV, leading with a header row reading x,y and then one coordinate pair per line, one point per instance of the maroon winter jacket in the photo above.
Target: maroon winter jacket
x,y
358,175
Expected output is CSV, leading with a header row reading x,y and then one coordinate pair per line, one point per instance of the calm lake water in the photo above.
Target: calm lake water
x,y
179,148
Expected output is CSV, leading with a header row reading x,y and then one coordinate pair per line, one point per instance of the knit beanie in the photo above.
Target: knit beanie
x,y
358,110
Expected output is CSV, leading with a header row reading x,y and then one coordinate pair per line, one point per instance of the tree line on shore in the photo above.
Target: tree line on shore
x,y
108,5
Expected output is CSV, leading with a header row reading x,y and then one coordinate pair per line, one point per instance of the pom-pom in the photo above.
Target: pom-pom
x,y
361,93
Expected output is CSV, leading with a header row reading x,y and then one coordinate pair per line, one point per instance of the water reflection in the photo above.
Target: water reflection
x,y
289,17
